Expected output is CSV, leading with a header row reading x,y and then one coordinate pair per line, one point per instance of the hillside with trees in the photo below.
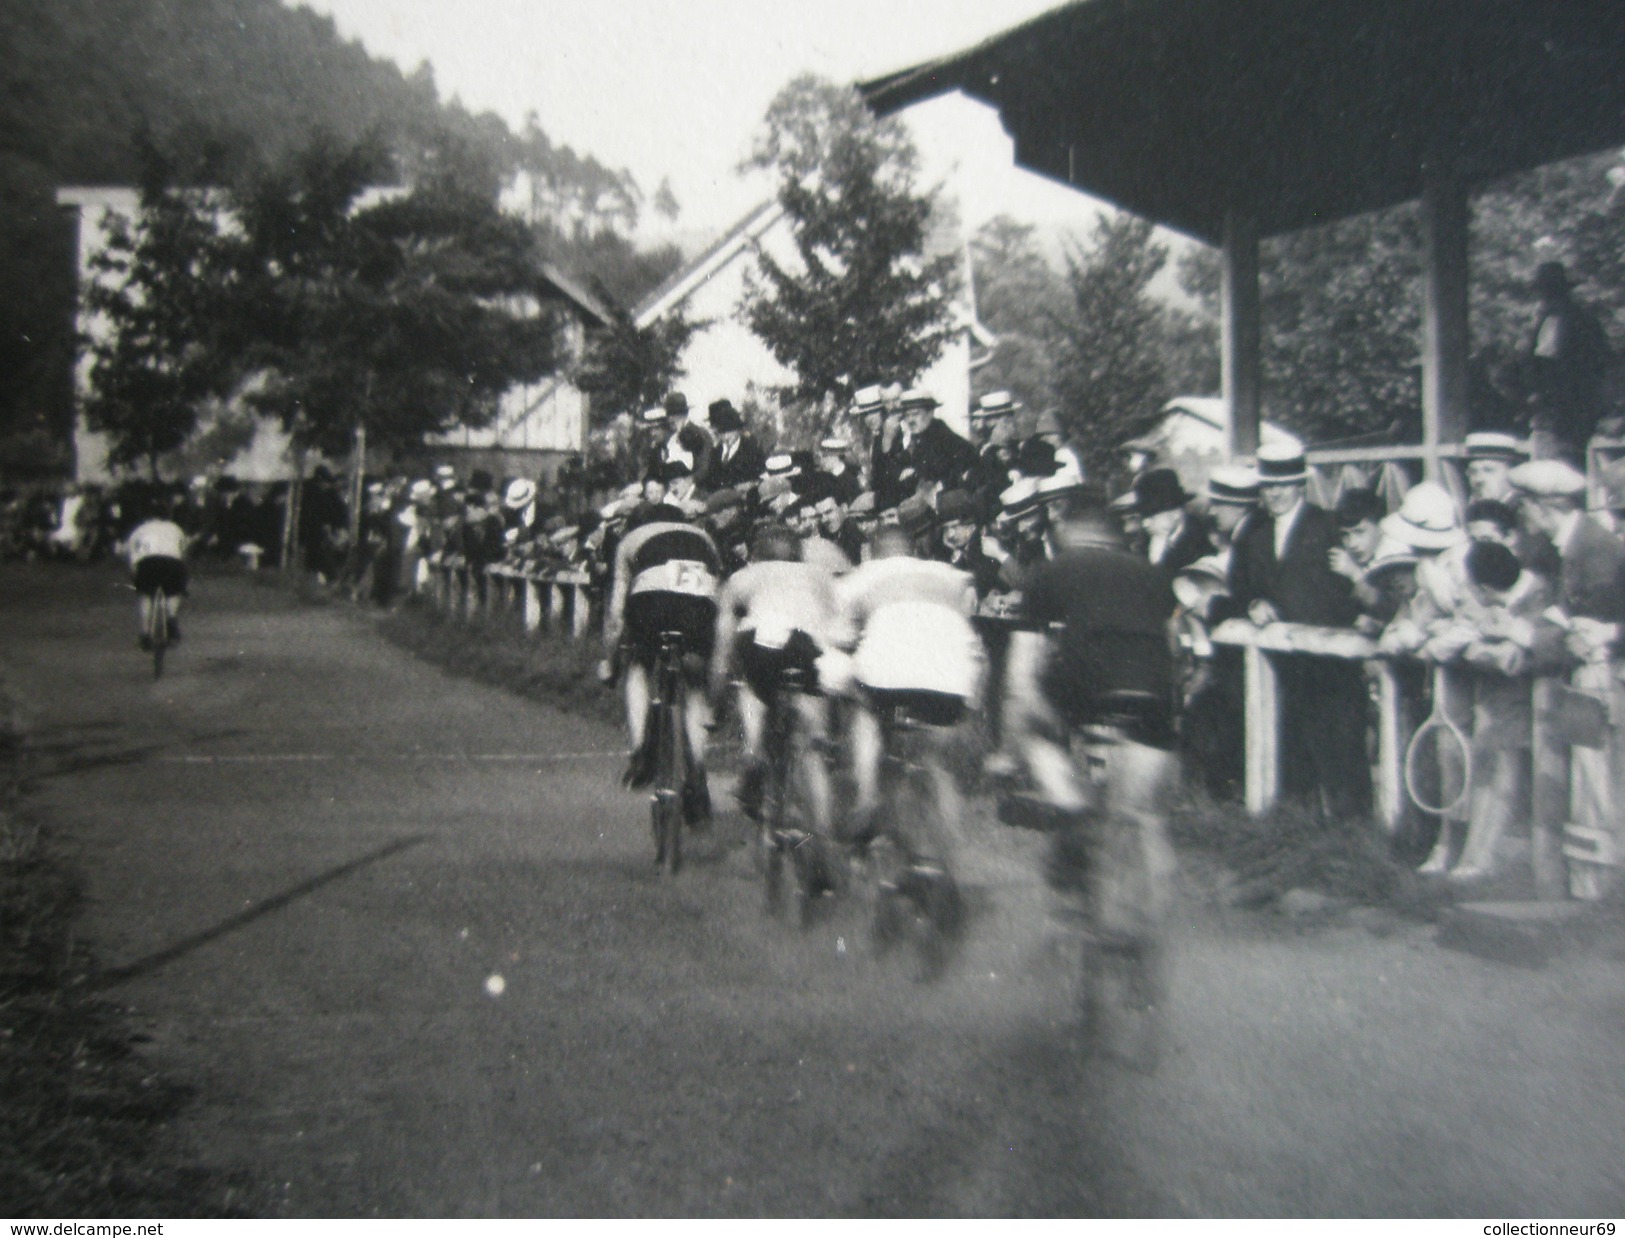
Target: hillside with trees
x,y
217,91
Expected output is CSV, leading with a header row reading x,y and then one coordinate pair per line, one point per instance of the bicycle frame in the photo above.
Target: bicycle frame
x,y
671,751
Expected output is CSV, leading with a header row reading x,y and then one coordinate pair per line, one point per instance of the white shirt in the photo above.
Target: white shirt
x,y
157,537
1283,529
915,634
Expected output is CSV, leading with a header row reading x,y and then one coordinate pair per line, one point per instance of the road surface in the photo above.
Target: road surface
x,y
403,935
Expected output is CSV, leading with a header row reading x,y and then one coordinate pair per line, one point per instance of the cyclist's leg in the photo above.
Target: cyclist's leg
x,y
867,746
813,714
753,725
635,694
940,829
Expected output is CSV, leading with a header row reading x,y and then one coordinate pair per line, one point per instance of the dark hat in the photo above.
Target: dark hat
x,y
724,417
1159,491
676,404
1359,504
1551,277
480,479
1281,464
955,505
1036,458
722,500
914,515
1493,565
671,470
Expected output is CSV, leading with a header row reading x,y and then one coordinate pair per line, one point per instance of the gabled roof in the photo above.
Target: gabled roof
x,y
1294,112
681,284
589,305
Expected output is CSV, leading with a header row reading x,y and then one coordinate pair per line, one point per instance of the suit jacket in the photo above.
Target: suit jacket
x,y
1193,541
744,467
940,455
1301,584
1592,582
892,474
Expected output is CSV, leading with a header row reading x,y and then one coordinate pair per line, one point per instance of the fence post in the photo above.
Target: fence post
x,y
555,605
1262,730
533,604
1390,746
580,610
1549,793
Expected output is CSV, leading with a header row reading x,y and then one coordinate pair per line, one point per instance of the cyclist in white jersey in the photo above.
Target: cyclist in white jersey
x,y
157,552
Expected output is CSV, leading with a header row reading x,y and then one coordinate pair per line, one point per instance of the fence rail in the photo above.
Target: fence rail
x,y
560,601
1574,777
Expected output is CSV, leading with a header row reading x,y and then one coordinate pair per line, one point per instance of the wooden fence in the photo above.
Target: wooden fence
x,y
1574,777
558,601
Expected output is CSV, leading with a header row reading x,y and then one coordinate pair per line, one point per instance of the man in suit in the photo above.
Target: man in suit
x,y
1176,536
1280,571
941,458
737,460
1591,579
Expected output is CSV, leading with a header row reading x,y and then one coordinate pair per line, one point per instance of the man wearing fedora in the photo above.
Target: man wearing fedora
x,y
989,474
940,457
1176,536
685,441
738,459
1280,570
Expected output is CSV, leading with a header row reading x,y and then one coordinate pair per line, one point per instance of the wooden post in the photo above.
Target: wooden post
x,y
533,604
1391,732
1241,333
555,605
1444,313
1549,795
1263,730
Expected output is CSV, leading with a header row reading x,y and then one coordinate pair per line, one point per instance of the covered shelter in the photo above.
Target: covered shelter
x,y
1237,120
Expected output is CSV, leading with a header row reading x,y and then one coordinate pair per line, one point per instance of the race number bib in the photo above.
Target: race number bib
x,y
690,576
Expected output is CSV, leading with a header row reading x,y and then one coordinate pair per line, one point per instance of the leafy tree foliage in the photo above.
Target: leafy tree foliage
x,y
227,87
1019,296
159,290
407,316
1108,341
862,302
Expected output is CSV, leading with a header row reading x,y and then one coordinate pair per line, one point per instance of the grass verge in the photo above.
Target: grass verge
x,y
86,1120
499,651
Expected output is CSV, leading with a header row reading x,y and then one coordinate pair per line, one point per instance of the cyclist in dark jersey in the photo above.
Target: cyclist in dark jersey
x,y
665,579
1100,652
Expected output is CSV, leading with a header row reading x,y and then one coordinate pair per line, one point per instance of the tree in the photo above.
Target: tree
x,y
1018,297
630,368
406,317
1108,342
862,303
159,289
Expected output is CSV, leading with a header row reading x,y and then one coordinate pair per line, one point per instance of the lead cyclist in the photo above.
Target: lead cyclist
x,y
156,549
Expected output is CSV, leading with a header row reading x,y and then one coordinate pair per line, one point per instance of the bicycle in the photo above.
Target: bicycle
x,y
158,630
672,755
914,901
788,838
1110,919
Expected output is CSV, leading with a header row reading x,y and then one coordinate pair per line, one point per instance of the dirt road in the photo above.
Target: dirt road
x,y
311,857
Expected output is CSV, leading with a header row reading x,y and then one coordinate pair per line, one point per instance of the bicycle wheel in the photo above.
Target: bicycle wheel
x,y
158,630
666,802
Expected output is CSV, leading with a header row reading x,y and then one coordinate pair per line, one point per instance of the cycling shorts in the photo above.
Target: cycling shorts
x,y
654,611
922,705
764,666
160,572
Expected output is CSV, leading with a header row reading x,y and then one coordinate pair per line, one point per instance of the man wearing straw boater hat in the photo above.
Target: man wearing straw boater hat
x,y
1280,570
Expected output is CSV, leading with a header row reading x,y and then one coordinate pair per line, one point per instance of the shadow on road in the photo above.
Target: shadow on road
x,y
109,977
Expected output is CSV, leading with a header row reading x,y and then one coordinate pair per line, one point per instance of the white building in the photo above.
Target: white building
x,y
536,424
725,359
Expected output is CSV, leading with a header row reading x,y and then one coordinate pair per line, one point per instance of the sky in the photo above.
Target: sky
x,y
676,89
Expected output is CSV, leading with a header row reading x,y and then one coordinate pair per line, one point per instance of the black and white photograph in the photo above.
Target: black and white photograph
x,y
974,609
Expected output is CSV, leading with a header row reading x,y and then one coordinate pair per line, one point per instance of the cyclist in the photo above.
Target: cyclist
x,y
157,552
1101,654
776,614
913,646
664,580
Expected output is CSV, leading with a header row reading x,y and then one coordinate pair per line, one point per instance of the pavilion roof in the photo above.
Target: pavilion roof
x,y
1297,112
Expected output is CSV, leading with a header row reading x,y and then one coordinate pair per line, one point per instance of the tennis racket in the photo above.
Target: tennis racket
x,y
1439,759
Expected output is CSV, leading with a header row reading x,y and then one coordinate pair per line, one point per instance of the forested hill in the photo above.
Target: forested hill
x,y
217,86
